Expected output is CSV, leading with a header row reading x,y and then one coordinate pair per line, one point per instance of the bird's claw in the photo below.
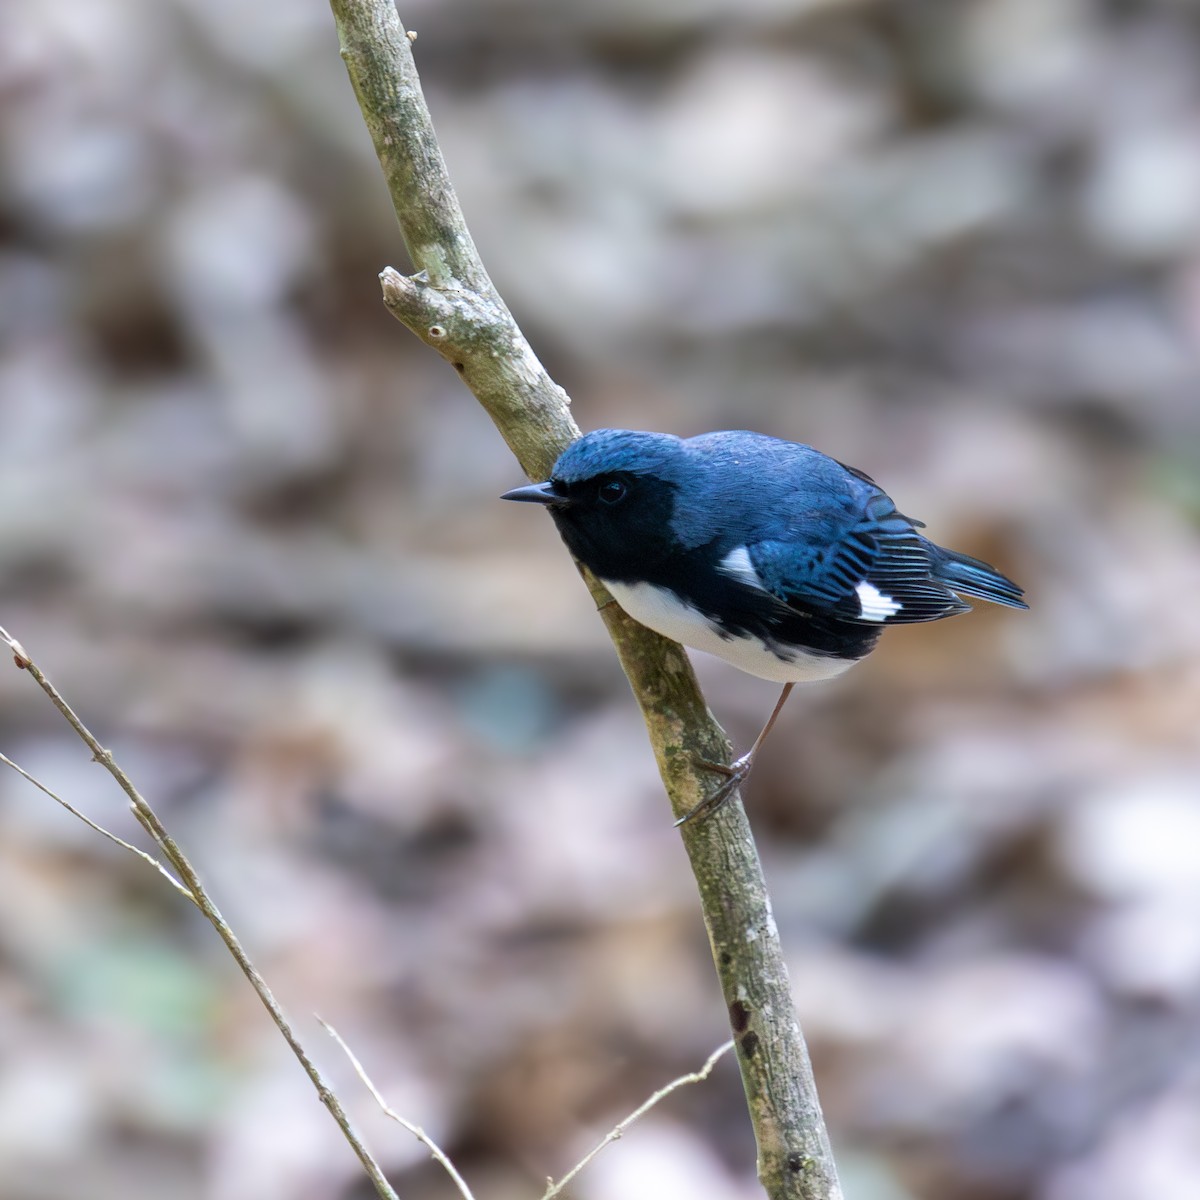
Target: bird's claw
x,y
729,770
735,775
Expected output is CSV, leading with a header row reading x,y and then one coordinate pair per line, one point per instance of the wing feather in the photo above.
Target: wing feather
x,y
877,572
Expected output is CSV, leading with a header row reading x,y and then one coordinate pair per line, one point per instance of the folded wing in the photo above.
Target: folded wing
x,y
878,571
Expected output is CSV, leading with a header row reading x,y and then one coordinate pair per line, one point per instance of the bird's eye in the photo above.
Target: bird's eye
x,y
611,491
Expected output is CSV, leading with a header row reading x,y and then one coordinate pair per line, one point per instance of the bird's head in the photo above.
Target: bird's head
x,y
612,496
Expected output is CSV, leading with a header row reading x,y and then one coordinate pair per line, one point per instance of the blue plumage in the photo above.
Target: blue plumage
x,y
815,532
767,553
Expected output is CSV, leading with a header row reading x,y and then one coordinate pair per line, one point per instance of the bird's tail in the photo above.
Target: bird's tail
x,y
972,577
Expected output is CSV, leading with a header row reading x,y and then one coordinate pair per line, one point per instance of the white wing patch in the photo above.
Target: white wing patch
x,y
737,565
873,605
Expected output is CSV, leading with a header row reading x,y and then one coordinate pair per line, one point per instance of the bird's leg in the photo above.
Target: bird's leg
x,y
735,775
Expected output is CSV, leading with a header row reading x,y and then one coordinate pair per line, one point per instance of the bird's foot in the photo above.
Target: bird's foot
x,y
735,775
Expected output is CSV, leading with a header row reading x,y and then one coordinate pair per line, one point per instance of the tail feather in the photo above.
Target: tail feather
x,y
972,577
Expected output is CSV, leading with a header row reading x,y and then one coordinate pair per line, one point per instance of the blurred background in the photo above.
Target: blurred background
x,y
250,527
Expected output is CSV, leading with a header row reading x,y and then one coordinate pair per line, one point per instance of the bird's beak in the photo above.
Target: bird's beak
x,y
536,493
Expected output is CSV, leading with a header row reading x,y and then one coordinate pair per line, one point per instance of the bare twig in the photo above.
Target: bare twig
x,y
554,1189
112,837
642,1109
194,888
452,306
436,1152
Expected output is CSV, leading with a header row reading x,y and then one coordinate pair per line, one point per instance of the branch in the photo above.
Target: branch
x,y
438,1154
452,306
642,1109
112,837
192,887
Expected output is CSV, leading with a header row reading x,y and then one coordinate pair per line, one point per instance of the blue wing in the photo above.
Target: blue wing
x,y
871,567
821,539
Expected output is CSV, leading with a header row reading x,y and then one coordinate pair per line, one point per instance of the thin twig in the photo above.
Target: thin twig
x,y
203,901
434,1149
112,837
613,1134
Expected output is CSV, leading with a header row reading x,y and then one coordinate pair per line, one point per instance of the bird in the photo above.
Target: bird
x,y
766,553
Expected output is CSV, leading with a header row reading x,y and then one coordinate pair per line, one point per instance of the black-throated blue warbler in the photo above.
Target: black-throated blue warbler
x,y
766,553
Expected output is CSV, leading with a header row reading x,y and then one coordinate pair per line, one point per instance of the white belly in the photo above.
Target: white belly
x,y
661,610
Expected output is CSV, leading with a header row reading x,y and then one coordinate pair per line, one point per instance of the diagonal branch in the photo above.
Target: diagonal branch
x,y
112,837
438,1154
452,306
194,889
618,1130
